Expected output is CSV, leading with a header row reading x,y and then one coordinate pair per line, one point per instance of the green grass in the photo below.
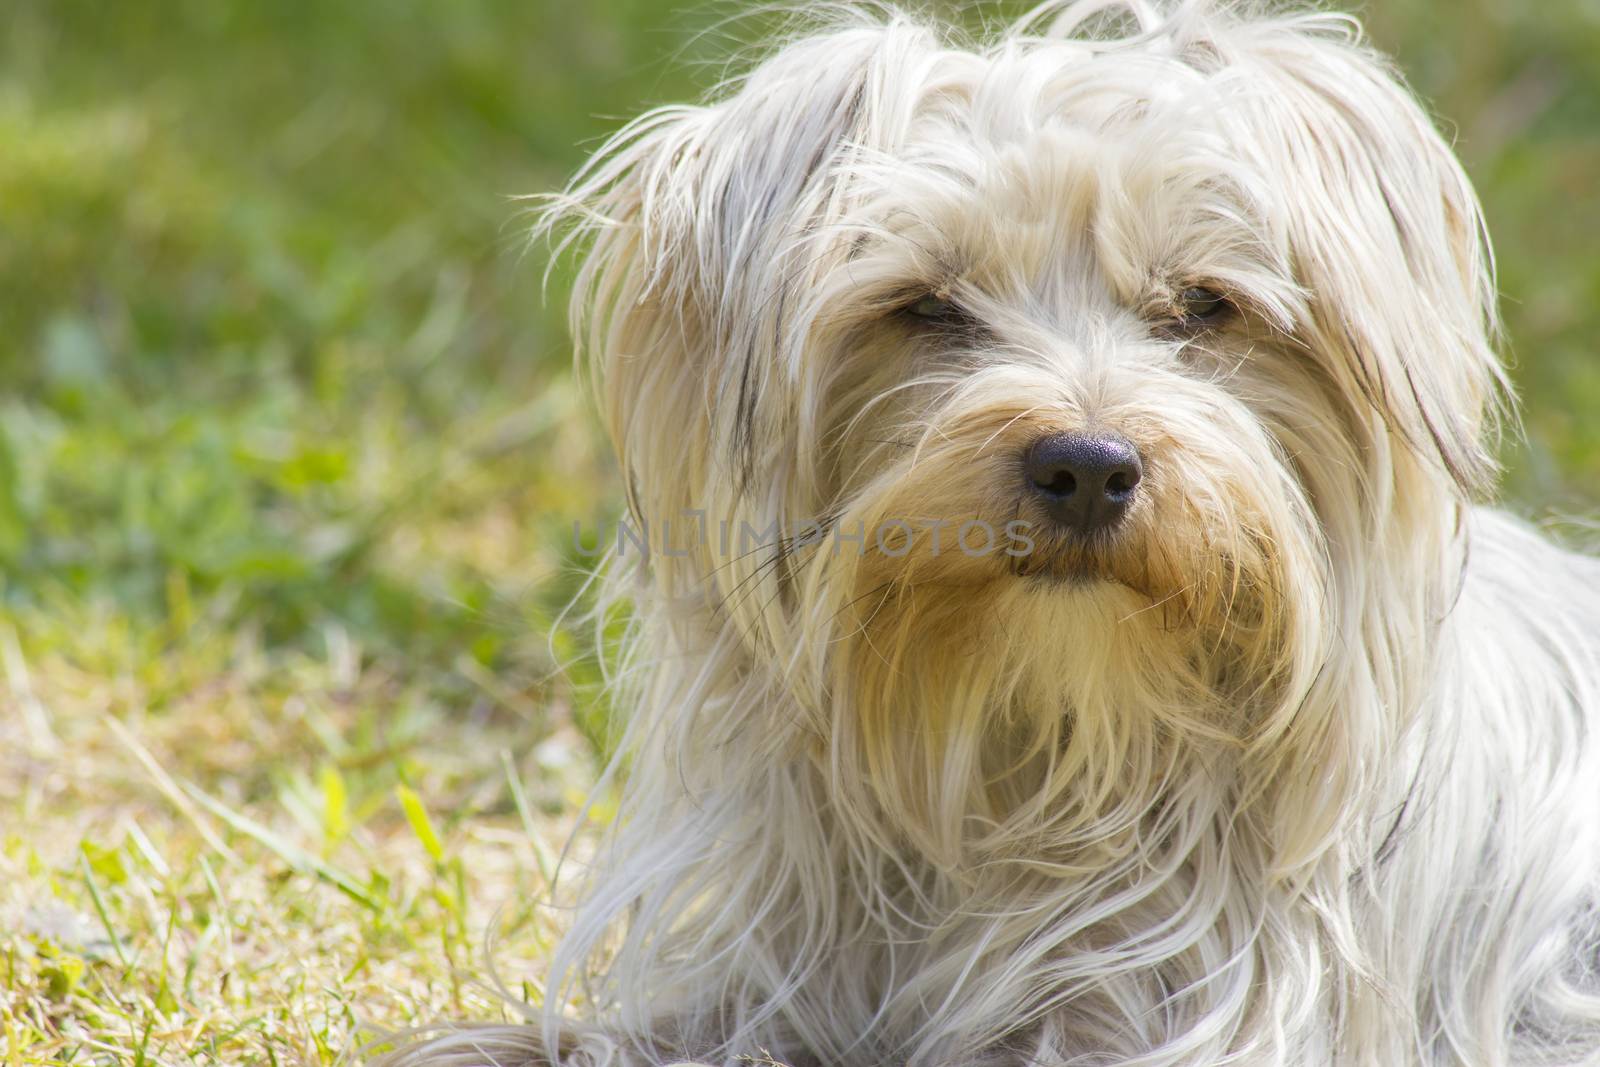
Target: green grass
x,y
290,452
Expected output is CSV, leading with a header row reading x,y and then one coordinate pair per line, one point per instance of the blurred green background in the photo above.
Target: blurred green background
x,y
269,328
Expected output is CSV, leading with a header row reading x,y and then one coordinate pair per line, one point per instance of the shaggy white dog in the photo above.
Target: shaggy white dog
x,y
1126,672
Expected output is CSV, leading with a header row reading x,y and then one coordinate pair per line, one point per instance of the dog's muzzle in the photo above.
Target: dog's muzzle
x,y
1085,482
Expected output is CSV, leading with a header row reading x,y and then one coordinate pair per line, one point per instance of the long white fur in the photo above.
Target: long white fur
x,y
1302,770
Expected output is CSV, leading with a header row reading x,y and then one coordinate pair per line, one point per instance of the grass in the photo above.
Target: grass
x,y
289,457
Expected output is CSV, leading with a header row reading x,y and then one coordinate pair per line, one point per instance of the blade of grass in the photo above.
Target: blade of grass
x,y
100,909
421,825
169,789
519,797
335,806
293,855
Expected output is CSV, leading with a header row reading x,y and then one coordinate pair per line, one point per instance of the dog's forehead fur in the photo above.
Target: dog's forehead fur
x,y
1068,219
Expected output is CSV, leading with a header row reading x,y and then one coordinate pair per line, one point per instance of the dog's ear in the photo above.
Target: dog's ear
x,y
1386,236
698,222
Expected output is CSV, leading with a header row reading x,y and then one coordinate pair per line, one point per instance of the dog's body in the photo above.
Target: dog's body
x,y
1280,750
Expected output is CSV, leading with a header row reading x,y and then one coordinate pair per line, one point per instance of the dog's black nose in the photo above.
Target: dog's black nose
x,y
1085,481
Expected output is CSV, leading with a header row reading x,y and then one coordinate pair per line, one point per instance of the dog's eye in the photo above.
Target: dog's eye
x,y
931,307
1199,306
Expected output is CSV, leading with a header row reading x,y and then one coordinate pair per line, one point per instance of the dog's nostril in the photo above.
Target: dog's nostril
x,y
1061,483
1084,481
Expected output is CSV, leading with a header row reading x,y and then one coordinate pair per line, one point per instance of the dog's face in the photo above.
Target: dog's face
x,y
1156,356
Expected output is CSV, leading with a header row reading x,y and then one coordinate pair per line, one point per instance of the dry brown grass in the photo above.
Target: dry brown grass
x,y
175,889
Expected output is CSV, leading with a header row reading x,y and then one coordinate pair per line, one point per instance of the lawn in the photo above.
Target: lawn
x,y
290,454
